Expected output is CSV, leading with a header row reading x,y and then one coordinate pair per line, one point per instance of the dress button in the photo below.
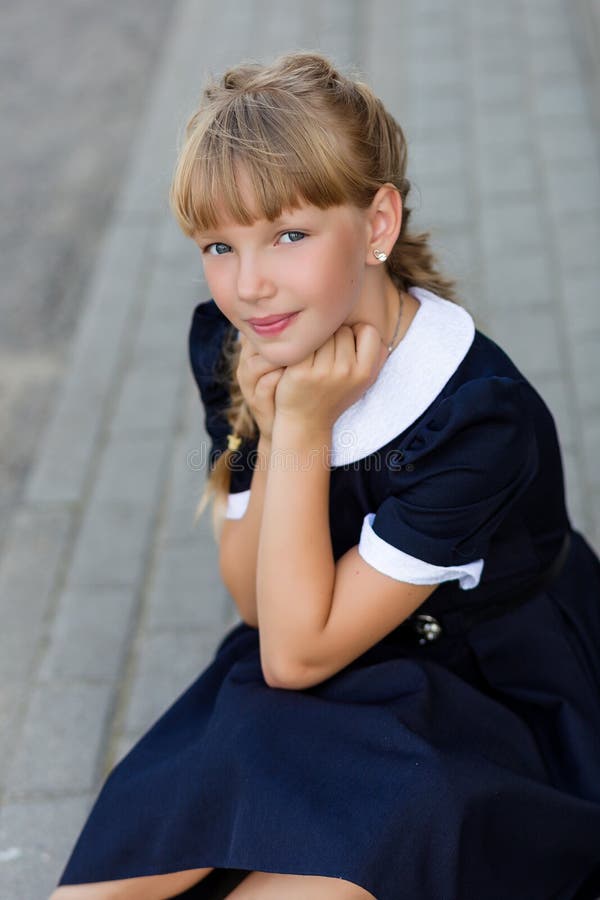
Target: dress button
x,y
428,627
409,467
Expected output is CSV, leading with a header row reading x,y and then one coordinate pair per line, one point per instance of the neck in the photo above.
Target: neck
x,y
409,310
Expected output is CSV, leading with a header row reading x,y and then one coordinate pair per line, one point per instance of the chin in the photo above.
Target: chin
x,y
281,359
280,355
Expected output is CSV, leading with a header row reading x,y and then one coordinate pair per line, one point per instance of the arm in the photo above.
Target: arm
x,y
239,537
315,616
295,567
239,542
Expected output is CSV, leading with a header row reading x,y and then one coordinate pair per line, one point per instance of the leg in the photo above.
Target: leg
x,y
148,887
274,886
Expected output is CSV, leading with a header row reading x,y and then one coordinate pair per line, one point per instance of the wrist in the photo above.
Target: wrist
x,y
263,452
265,441
289,430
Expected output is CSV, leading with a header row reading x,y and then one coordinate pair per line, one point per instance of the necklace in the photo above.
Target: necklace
x,y
391,344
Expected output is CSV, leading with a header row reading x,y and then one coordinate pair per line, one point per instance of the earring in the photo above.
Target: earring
x,y
380,255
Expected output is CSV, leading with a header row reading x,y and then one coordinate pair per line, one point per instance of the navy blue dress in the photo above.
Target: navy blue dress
x,y
459,757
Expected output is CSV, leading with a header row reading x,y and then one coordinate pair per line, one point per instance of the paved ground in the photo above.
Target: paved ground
x,y
110,601
67,133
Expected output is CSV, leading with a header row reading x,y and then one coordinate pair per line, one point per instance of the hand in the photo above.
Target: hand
x,y
320,387
258,380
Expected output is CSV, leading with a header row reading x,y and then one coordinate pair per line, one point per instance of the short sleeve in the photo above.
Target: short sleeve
x,y
207,335
452,483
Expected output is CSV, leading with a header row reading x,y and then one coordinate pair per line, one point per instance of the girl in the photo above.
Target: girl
x,y
410,706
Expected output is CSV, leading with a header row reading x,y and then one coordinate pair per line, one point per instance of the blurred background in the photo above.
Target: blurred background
x,y
110,601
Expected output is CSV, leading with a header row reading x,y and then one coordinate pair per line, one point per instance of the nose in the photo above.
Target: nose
x,y
253,280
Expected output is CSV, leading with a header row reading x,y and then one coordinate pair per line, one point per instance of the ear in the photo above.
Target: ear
x,y
384,218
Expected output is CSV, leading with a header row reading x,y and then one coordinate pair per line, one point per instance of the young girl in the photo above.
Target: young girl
x,y
410,706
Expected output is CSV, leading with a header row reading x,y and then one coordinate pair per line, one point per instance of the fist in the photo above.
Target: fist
x,y
320,387
258,380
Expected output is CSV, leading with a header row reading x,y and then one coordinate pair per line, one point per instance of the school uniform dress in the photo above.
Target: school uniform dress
x,y
459,757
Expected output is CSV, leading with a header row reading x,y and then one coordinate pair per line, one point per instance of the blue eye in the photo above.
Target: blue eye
x,y
217,249
294,236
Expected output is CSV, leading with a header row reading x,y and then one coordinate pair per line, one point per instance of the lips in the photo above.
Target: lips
x,y
276,324
269,320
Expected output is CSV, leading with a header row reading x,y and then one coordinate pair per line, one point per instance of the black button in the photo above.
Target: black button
x,y
409,467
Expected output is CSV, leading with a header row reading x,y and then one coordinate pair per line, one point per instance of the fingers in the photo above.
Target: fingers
x,y
323,357
269,378
345,345
370,349
358,345
251,365
352,347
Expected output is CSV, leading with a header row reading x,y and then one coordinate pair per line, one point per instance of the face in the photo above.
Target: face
x,y
309,262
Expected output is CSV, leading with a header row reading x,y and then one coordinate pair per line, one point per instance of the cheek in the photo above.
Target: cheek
x,y
210,276
342,291
338,279
219,287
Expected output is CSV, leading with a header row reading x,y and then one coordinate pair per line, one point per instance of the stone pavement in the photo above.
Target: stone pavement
x,y
58,189
110,600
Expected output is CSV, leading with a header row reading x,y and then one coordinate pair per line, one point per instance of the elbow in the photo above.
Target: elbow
x,y
286,676
280,674
276,679
284,684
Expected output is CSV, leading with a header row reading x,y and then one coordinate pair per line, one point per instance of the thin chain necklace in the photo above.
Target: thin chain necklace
x,y
391,344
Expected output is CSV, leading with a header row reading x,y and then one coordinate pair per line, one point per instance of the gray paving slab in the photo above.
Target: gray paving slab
x,y
532,196
586,369
535,358
528,276
566,139
57,749
165,664
511,227
121,605
62,66
579,239
555,393
61,470
177,593
187,477
577,499
30,571
587,30
14,694
36,837
579,290
89,636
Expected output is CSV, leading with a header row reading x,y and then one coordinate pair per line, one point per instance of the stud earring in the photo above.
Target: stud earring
x,y
380,255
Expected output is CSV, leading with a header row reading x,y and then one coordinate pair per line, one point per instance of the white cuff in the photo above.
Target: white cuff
x,y
397,564
237,504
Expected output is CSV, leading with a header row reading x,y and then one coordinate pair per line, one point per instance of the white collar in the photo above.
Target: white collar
x,y
437,340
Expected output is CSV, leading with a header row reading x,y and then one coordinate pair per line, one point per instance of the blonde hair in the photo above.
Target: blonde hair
x,y
302,131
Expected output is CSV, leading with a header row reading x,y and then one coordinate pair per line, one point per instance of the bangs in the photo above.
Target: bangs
x,y
255,158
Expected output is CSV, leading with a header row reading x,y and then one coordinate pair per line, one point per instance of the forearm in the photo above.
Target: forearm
x,y
295,565
239,542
